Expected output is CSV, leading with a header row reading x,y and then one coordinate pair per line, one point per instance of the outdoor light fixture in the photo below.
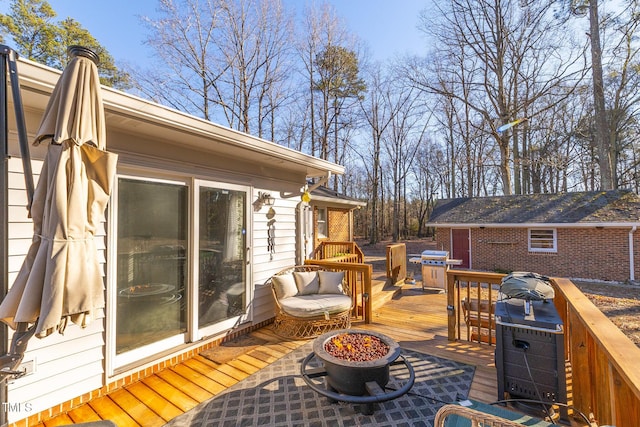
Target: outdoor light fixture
x,y
266,199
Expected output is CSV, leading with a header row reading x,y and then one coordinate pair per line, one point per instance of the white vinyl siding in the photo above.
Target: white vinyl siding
x,y
543,240
266,264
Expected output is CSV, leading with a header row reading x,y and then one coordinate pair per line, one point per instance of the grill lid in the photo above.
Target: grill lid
x,y
435,255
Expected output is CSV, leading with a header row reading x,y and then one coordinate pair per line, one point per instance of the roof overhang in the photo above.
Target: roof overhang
x,y
352,204
133,115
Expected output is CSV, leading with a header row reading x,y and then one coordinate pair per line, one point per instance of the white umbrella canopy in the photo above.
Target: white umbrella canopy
x,y
61,279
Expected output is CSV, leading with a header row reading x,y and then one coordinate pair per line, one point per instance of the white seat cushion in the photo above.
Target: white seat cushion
x,y
284,285
307,282
315,305
331,282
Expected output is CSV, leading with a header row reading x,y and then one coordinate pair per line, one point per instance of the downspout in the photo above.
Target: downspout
x,y
632,269
300,233
322,181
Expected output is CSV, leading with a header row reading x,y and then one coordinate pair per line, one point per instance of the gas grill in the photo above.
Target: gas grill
x,y
434,265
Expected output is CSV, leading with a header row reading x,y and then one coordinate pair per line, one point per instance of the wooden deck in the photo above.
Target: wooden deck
x,y
416,319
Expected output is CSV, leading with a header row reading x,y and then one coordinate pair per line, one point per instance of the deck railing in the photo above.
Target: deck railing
x,y
602,362
358,276
605,376
471,300
338,252
396,262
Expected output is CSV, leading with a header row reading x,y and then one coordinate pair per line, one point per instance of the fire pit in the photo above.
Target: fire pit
x,y
355,366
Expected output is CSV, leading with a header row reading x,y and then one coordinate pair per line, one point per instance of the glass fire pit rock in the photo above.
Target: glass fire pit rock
x,y
361,382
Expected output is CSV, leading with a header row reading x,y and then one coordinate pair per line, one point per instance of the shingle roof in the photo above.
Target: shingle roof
x,y
326,192
563,208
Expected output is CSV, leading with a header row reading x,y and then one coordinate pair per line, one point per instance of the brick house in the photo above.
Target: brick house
x,y
585,235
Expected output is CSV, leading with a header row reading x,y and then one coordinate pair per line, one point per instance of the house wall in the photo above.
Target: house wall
x,y
583,253
73,364
338,225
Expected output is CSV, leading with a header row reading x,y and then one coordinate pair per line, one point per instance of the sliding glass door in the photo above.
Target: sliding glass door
x,y
152,246
182,264
222,248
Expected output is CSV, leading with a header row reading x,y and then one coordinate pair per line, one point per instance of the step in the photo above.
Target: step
x,y
382,292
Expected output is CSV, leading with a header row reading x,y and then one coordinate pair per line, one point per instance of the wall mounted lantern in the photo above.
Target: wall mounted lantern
x,y
265,199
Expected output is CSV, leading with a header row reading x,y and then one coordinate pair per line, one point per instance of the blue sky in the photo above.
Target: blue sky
x,y
389,27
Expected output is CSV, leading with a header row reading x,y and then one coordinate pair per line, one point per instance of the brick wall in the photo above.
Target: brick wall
x,y
587,253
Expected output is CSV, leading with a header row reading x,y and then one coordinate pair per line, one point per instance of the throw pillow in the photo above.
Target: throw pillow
x,y
307,282
285,286
331,282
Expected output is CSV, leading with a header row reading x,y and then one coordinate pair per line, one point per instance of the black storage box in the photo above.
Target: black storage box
x,y
535,340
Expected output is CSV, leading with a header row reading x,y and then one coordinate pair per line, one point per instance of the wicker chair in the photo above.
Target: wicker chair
x,y
459,416
289,326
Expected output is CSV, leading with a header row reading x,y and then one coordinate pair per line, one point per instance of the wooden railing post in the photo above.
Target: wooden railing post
x,y
452,307
396,262
359,276
605,378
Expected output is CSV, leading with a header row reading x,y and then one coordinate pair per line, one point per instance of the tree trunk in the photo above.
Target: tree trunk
x,y
602,129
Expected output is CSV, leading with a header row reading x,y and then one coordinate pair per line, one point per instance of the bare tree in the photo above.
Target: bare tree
x,y
254,39
221,59
321,27
183,40
506,40
622,84
377,113
405,134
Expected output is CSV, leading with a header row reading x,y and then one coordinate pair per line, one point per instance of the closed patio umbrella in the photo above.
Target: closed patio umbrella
x,y
61,279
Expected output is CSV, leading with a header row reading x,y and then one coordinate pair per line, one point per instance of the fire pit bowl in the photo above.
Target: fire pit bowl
x,y
350,376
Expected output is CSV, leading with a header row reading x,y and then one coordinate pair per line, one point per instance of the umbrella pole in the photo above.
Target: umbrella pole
x,y
9,57
4,221
7,359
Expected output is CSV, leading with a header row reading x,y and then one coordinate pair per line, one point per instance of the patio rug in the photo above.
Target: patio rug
x,y
278,396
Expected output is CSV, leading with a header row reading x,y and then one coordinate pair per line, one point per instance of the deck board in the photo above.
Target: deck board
x,y
136,409
157,403
189,388
163,388
107,409
207,370
59,421
199,379
83,413
416,319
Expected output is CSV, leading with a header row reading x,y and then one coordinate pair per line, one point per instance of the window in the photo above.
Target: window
x,y
322,223
543,240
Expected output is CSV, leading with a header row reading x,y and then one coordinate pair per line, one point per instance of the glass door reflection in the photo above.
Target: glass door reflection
x,y
152,262
222,258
